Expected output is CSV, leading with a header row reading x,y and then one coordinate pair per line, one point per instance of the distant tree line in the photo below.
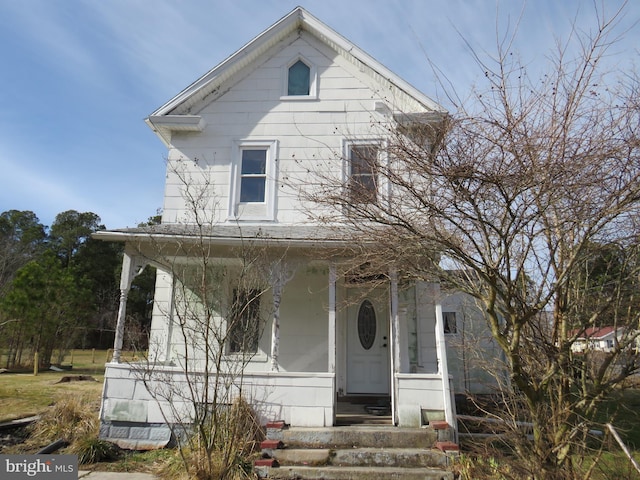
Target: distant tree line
x,y
59,288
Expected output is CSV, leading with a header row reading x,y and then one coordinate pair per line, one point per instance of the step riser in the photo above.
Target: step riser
x,y
363,437
362,457
346,473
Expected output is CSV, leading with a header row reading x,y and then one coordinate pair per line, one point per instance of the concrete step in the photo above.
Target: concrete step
x,y
355,473
366,452
360,436
359,457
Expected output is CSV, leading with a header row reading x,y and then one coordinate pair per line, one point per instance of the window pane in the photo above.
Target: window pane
x,y
367,325
252,189
363,159
362,181
254,161
449,319
244,321
299,79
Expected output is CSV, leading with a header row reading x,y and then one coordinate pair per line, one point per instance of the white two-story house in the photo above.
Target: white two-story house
x,y
244,142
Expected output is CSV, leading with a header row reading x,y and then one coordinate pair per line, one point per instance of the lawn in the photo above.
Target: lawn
x,y
24,394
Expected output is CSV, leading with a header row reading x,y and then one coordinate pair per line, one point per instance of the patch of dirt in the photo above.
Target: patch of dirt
x,y
9,438
76,378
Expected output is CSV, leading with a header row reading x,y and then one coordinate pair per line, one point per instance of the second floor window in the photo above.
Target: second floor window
x,y
253,175
363,166
253,180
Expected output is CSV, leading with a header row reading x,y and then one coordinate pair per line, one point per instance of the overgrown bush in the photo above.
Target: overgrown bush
x,y
222,448
71,418
91,449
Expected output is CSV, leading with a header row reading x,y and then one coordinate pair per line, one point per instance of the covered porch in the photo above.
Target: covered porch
x,y
325,340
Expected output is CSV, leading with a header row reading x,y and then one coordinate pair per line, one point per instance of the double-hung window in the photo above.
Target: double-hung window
x,y
363,168
253,180
244,321
253,175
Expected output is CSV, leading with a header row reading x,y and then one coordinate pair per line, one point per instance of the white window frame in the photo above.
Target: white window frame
x,y
382,189
313,80
260,354
240,211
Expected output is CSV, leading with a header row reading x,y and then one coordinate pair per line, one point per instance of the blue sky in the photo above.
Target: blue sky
x,y
78,77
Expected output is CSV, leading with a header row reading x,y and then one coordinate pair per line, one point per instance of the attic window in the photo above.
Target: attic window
x,y
299,79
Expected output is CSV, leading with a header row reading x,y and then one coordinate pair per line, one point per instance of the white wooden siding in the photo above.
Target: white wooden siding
x,y
253,109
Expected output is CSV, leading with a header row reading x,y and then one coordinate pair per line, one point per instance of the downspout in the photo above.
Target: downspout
x,y
131,267
443,367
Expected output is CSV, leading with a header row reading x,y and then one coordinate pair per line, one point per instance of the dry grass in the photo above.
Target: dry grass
x,y
22,394
71,418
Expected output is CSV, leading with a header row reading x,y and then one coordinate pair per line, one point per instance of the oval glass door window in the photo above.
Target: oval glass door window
x,y
366,324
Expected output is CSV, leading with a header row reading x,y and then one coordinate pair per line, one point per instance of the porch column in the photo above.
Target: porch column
x,y
395,343
332,319
443,365
275,326
131,267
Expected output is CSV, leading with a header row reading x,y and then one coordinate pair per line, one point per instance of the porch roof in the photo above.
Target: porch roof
x,y
308,236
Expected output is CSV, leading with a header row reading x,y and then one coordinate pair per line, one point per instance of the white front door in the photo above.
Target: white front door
x,y
368,343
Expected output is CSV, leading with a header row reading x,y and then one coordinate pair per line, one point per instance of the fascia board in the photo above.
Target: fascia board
x,y
123,237
322,31
235,61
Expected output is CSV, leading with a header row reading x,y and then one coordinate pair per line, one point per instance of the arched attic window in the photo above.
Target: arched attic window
x,y
299,80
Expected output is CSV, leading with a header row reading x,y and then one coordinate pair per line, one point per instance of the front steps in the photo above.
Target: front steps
x,y
357,452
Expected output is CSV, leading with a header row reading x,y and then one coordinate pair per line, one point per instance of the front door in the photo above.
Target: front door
x,y
368,344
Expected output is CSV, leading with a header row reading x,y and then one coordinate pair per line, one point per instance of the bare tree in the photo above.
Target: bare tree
x,y
217,312
513,194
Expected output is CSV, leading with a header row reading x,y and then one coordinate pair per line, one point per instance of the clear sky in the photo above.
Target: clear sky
x,y
78,77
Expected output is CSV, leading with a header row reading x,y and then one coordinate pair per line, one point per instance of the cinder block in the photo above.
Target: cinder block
x,y
118,431
104,430
266,462
439,424
271,444
447,446
160,433
139,433
277,425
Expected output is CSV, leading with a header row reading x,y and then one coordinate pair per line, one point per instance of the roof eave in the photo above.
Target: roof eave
x,y
129,237
298,18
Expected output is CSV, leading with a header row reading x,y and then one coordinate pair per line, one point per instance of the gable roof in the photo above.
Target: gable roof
x,y
176,114
596,333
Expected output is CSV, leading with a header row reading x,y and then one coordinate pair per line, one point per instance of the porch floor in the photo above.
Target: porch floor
x,y
363,410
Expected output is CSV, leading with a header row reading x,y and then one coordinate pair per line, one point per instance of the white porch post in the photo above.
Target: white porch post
x,y
443,366
131,266
332,319
275,326
170,322
395,344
